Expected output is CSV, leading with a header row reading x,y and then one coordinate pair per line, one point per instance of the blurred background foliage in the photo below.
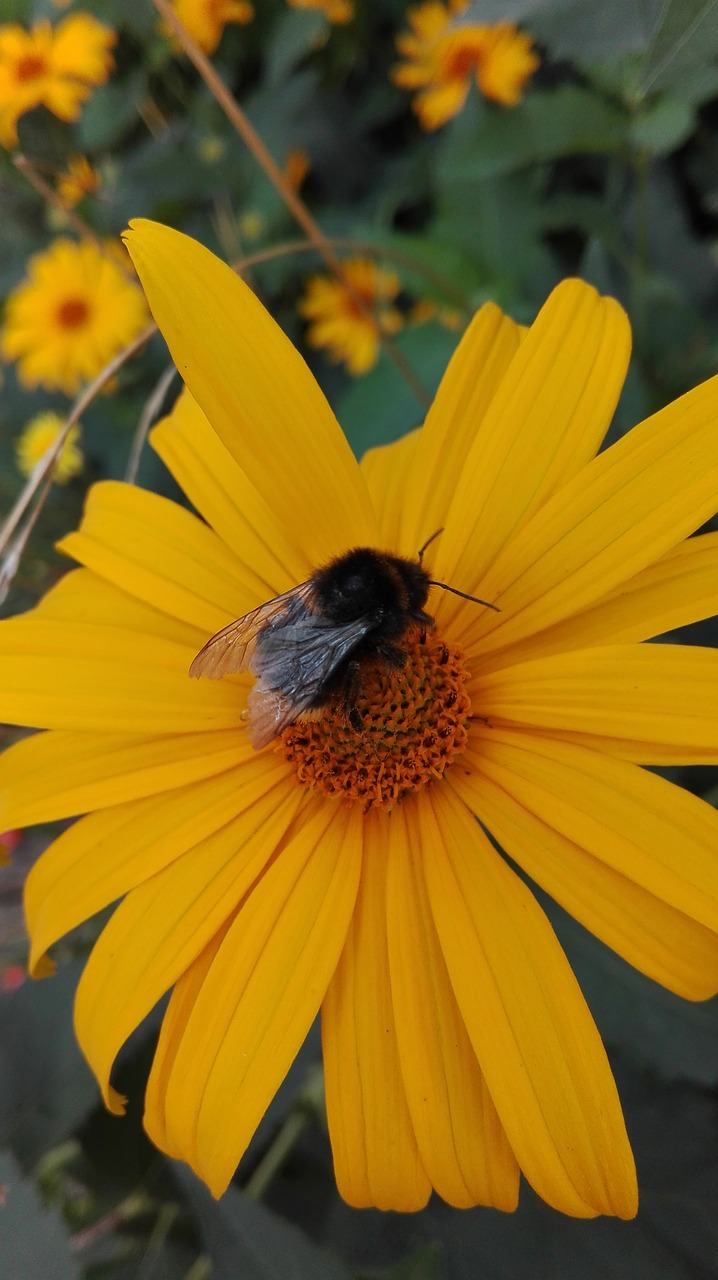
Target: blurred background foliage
x,y
607,168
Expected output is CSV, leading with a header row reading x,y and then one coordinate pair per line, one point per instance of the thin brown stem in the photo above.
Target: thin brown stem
x,y
280,182
149,413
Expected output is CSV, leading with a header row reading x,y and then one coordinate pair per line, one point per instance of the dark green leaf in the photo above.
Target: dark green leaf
x,y
46,1088
244,1239
296,34
34,1242
380,407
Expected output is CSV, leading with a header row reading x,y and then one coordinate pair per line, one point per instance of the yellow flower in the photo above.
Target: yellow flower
x,y
205,20
79,180
339,324
52,67
458,1049
334,10
74,312
35,440
442,55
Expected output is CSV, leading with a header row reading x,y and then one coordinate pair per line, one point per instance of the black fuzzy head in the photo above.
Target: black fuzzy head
x,y
366,583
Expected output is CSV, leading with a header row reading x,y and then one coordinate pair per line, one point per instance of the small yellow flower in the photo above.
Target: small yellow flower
x,y
52,67
75,310
35,440
335,10
442,56
347,331
80,179
205,20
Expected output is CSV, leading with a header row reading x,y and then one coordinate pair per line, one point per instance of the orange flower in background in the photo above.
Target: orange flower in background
x,y
52,67
442,55
77,308
335,10
349,333
205,20
79,180
341,867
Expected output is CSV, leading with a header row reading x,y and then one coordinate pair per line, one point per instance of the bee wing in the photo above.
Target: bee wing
x,y
232,648
292,664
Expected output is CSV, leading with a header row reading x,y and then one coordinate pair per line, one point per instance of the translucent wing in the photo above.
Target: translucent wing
x,y
231,649
294,660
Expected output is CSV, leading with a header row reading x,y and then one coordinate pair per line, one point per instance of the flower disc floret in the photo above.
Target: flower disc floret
x,y
413,725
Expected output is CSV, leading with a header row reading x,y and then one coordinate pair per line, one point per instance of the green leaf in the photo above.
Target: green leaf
x,y
112,110
551,123
684,37
46,1088
380,407
34,1241
664,126
245,1239
296,34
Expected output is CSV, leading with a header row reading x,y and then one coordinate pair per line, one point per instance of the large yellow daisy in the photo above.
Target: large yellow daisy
x,y
52,67
76,309
264,886
442,55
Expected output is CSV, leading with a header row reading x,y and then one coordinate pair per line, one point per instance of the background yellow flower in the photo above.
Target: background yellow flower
x,y
35,440
77,308
205,20
79,179
442,55
349,333
53,67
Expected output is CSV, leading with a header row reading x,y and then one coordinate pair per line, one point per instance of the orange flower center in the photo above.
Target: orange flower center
x,y
30,67
72,313
413,725
460,59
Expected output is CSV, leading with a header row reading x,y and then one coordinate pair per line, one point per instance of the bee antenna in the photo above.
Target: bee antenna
x,y
464,595
428,543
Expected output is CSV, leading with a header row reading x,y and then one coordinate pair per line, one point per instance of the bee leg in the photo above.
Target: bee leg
x,y
391,655
349,692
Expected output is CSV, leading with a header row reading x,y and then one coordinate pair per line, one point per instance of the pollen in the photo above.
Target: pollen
x,y
411,723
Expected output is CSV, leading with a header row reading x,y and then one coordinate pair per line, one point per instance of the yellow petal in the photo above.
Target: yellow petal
x,y
163,924
155,550
462,1144
59,774
255,389
647,829
659,694
261,994
534,1037
83,596
103,856
626,509
272,559
376,1159
385,470
180,1007
650,934
453,424
678,589
546,420
100,678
